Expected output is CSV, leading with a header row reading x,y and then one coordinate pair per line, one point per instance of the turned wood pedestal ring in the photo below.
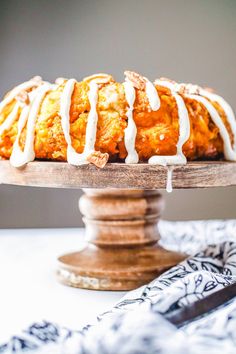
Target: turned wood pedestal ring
x,y
122,234
121,207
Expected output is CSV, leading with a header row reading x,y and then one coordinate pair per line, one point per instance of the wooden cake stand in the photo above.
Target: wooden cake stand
x,y
121,207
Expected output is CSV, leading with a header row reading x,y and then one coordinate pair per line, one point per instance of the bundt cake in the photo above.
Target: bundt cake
x,y
99,119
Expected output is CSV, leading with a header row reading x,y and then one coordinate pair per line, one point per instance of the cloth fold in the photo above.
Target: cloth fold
x,y
137,325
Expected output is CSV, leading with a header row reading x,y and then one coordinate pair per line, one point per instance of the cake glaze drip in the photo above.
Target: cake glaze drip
x,y
12,95
227,109
152,96
131,129
28,116
184,133
11,118
73,157
202,95
229,152
169,187
25,86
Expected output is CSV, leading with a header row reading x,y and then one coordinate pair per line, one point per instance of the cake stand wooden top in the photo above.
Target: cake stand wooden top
x,y
119,175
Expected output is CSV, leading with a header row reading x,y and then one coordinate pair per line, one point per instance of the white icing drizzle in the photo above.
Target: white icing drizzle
x,y
152,96
91,130
229,153
203,96
10,119
168,84
17,156
65,118
29,114
13,93
227,109
184,132
131,129
169,187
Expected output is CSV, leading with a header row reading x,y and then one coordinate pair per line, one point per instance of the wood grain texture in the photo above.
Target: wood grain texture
x,y
119,175
110,269
122,233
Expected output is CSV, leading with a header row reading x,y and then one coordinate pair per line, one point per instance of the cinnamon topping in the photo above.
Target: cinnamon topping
x,y
137,80
23,98
98,158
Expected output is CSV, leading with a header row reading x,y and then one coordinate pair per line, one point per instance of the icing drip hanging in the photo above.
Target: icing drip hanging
x,y
28,115
135,80
10,119
169,187
229,152
73,157
18,89
8,122
131,129
152,96
184,131
65,119
227,109
197,93
91,129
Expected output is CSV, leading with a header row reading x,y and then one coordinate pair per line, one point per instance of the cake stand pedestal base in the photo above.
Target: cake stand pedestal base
x,y
122,232
121,223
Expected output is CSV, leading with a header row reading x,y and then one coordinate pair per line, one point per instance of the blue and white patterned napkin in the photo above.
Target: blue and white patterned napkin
x,y
136,325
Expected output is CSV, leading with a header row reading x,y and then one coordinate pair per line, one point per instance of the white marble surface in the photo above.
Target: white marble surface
x,y
29,290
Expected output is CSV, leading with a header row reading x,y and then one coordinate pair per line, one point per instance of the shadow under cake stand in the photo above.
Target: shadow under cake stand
x,y
121,207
